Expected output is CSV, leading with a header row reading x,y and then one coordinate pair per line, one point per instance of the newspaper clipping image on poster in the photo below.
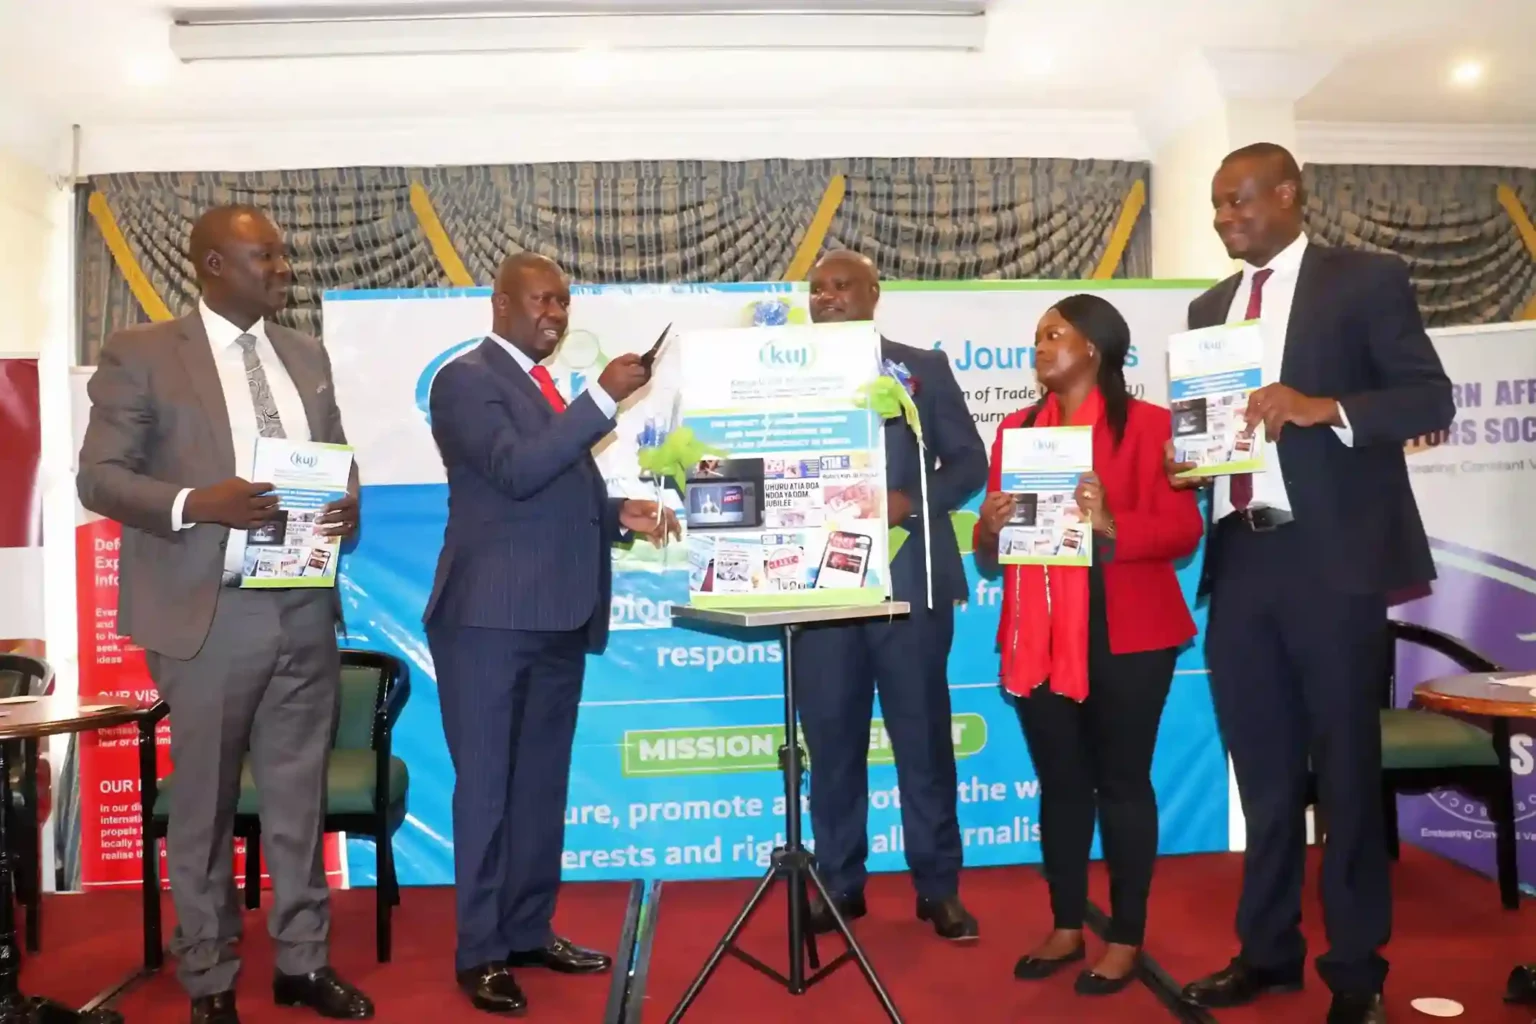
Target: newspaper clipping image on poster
x,y
1211,373
1041,469
794,512
289,550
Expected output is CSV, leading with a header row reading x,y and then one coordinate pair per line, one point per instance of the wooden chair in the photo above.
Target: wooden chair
x,y
366,788
1423,750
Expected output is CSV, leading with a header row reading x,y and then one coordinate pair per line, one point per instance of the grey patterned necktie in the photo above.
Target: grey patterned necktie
x,y
268,422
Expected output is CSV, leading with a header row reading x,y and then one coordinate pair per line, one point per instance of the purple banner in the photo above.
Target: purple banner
x,y
1488,603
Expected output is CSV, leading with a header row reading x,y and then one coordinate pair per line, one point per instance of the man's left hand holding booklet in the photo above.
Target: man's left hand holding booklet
x,y
292,549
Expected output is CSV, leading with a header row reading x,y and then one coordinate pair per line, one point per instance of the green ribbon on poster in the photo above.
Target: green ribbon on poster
x,y
679,452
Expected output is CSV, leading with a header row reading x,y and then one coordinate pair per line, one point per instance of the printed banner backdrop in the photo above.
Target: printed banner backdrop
x,y
1476,488
112,667
675,768
21,509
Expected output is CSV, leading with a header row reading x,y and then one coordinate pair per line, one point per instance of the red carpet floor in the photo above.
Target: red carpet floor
x,y
90,943
417,985
1450,936
929,980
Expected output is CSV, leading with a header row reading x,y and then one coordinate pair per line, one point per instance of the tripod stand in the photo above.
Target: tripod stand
x,y
792,861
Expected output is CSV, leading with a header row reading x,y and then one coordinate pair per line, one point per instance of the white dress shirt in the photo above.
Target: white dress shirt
x,y
230,361
1277,296
607,405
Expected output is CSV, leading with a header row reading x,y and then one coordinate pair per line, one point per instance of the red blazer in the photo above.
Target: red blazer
x,y
1154,526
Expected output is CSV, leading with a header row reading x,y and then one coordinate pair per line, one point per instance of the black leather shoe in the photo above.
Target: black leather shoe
x,y
950,919
562,955
492,988
324,992
1092,983
219,1009
1521,986
1037,968
1355,1009
1239,984
851,907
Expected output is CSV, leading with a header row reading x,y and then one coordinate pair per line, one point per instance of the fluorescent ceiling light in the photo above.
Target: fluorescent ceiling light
x,y
354,31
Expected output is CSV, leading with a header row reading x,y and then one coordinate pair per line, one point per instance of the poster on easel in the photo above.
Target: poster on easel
x,y
786,508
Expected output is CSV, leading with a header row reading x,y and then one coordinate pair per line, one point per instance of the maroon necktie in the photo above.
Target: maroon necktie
x,y
547,385
1242,483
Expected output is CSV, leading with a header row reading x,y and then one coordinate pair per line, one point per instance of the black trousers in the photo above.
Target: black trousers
x,y
1094,760
1297,671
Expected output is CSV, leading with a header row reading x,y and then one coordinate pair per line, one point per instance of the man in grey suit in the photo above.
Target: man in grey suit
x,y
176,409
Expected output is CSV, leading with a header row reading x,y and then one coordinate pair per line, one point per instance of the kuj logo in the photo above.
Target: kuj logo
x,y
779,355
424,382
304,460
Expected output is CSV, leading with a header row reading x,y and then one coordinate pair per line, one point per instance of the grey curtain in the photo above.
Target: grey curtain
x,y
623,221
1467,259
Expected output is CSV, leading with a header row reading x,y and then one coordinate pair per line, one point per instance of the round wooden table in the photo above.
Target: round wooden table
x,y
1499,697
25,718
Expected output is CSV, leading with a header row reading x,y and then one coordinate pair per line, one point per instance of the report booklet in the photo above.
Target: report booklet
x,y
1211,373
289,550
1041,469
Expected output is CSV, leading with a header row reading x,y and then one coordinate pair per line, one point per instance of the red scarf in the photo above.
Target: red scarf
x,y
1045,638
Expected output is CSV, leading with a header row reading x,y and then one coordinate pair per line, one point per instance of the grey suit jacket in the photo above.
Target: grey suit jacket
x,y
159,424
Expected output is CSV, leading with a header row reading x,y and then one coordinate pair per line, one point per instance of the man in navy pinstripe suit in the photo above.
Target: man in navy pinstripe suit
x,y
521,597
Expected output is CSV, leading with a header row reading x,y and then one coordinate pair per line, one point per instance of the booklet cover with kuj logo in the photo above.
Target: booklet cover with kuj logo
x,y
1211,373
289,550
1041,469
787,509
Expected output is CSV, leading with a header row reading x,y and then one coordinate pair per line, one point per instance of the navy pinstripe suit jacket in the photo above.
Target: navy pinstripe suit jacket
x,y
530,523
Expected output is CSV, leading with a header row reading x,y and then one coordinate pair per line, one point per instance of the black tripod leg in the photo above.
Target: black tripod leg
x,y
802,887
853,945
724,945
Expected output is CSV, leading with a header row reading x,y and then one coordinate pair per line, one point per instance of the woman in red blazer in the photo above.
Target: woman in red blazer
x,y
1088,653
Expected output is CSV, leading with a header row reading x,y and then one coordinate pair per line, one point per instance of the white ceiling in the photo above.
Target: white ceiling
x,y
101,63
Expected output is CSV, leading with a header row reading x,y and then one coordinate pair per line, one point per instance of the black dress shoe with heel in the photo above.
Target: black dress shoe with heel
x,y
1038,968
215,1009
561,955
492,989
852,907
1240,983
949,918
324,992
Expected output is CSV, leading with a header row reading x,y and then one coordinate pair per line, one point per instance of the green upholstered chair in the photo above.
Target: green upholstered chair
x,y
1424,750
366,786
23,676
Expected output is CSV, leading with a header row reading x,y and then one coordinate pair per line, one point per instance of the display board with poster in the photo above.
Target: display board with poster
x,y
789,507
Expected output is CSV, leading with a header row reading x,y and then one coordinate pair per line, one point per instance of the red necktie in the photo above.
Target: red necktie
x,y
547,385
1242,483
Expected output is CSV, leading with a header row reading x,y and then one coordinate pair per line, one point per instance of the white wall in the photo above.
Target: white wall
x,y
26,226
493,137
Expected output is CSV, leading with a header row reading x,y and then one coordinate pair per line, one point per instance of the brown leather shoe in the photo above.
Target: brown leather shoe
x,y
492,988
215,1009
324,992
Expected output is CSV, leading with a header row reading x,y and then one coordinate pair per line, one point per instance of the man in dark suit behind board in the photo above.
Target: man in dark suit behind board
x,y
521,597
1299,568
840,666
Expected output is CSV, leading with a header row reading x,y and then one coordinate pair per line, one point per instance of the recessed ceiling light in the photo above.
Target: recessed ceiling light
x,y
1467,72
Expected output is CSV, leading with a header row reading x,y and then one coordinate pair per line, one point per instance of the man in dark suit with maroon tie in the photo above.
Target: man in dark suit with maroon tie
x,y
521,597
1300,563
